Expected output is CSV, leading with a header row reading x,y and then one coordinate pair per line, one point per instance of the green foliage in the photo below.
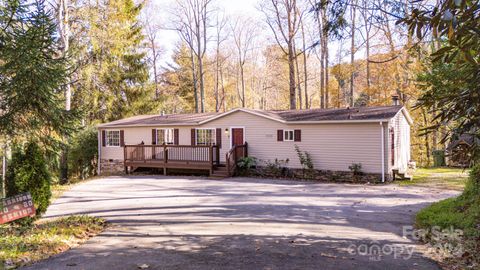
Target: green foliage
x,y
247,162
356,169
114,80
31,74
453,84
28,172
306,162
83,153
277,168
462,212
177,81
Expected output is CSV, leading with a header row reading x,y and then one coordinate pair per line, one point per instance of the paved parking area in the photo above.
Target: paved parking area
x,y
240,223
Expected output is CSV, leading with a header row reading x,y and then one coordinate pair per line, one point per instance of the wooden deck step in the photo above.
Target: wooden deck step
x,y
219,173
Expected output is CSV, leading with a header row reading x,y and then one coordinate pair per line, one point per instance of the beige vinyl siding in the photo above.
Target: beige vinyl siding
x,y
332,146
401,129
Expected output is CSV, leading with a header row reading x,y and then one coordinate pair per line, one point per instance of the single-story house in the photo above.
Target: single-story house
x,y
376,137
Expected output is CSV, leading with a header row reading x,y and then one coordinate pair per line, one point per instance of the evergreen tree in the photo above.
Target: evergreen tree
x,y
29,173
177,81
115,81
31,74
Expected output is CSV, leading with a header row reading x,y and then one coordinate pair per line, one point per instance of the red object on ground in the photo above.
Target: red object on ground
x,y
16,207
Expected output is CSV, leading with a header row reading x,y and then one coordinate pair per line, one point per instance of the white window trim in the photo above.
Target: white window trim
x,y
214,135
285,137
164,129
106,138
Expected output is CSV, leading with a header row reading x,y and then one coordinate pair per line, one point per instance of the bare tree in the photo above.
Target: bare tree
x,y
192,24
220,37
366,12
305,64
63,21
283,18
321,9
353,10
243,32
152,29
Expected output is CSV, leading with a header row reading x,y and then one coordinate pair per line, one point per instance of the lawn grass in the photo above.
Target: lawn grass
x,y
459,213
443,178
23,245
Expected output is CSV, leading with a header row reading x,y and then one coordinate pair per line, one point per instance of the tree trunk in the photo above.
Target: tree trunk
x,y
202,92
291,75
299,83
195,83
64,31
217,79
155,71
305,70
353,10
242,84
324,41
427,142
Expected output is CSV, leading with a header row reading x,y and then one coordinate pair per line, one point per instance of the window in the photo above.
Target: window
x,y
113,137
288,135
205,136
165,136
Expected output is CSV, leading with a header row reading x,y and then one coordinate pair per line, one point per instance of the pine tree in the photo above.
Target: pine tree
x,y
31,74
115,81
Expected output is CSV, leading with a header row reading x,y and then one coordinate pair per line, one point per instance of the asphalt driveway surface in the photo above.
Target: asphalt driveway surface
x,y
239,223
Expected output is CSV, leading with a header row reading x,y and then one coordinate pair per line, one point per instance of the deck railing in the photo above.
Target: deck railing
x,y
192,156
234,155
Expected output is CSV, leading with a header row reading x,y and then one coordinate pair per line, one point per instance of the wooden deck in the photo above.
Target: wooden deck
x,y
172,156
193,157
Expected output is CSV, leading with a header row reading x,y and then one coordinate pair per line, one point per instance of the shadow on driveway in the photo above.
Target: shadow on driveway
x,y
242,223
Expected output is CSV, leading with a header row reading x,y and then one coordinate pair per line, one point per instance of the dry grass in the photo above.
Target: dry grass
x,y
23,245
443,178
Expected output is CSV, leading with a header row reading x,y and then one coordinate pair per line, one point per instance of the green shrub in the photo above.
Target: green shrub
x,y
28,172
462,212
278,168
306,162
356,169
83,153
246,164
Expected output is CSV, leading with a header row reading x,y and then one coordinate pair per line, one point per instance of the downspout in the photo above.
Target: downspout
x,y
383,151
99,151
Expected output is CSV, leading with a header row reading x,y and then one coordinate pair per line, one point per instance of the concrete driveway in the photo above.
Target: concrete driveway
x,y
241,223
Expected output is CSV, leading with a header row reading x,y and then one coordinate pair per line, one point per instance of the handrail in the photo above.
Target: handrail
x,y
167,152
231,157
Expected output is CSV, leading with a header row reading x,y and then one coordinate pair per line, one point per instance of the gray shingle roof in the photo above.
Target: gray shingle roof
x,y
357,113
288,116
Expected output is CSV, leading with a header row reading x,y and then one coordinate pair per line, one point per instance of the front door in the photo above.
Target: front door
x,y
237,136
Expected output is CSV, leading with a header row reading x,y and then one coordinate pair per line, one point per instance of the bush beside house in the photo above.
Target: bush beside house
x,y
28,172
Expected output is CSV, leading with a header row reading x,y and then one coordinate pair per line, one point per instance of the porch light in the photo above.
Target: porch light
x,y
227,132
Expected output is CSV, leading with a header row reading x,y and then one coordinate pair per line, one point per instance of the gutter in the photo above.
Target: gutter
x,y
283,122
